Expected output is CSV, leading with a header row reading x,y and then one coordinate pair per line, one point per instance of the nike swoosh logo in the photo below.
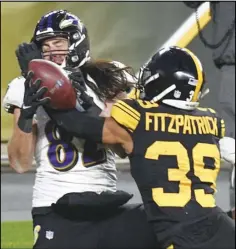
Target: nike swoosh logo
x,y
26,107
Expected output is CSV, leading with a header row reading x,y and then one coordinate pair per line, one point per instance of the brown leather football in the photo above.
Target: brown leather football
x,y
60,89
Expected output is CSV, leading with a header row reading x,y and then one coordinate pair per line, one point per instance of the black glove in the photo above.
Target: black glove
x,y
32,100
78,82
25,53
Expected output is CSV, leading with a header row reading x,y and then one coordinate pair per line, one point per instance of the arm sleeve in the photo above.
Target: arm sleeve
x,y
14,95
126,114
79,124
220,122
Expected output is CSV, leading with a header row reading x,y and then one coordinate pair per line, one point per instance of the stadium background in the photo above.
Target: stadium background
x,y
127,32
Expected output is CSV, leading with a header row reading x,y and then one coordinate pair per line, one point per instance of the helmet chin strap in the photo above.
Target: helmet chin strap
x,y
86,58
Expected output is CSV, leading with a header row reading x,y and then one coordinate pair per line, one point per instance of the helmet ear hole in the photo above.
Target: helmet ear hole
x,y
75,37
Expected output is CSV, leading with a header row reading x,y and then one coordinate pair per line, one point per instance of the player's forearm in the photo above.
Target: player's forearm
x,y
81,125
21,150
21,147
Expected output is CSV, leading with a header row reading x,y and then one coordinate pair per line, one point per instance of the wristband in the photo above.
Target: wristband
x,y
25,124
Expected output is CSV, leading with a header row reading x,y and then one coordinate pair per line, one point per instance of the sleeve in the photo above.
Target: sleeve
x,y
14,95
221,128
78,124
220,121
134,94
227,149
126,114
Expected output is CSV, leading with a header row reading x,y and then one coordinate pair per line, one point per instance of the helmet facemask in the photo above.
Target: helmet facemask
x,y
55,48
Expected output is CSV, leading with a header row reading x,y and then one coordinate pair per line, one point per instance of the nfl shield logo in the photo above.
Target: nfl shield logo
x,y
177,94
49,235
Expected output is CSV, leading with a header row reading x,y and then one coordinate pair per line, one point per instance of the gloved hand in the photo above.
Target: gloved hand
x,y
78,82
32,100
25,53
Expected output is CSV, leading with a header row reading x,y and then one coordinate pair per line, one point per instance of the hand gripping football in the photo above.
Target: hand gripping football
x,y
60,89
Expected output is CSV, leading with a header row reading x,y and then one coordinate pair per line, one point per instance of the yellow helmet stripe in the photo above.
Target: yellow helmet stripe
x,y
199,74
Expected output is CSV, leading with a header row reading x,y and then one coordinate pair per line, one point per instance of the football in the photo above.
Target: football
x,y
60,89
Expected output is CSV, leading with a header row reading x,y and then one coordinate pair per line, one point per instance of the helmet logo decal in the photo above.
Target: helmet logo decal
x,y
191,93
70,20
66,23
177,94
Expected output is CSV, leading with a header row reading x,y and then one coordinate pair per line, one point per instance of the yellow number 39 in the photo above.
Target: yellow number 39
x,y
200,151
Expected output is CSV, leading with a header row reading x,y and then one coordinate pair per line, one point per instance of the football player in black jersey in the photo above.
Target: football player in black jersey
x,y
174,147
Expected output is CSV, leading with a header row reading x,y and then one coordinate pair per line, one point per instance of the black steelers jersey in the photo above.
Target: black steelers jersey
x,y
175,160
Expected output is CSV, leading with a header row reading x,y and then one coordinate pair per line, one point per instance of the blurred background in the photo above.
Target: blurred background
x,y
127,31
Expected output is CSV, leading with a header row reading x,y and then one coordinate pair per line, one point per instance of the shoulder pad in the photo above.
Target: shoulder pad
x,y
125,113
14,95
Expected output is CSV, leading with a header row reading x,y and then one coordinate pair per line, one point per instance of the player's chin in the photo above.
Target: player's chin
x,y
58,60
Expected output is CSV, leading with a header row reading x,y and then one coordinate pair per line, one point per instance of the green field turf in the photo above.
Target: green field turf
x,y
16,235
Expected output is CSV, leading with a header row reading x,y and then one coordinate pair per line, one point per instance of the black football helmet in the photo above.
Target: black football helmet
x,y
61,23
173,76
